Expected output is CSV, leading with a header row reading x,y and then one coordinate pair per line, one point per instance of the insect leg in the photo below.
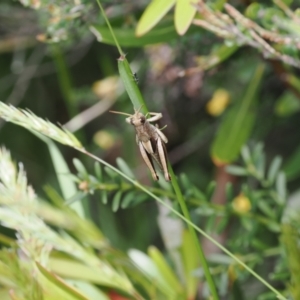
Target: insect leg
x,y
163,137
163,158
156,116
148,160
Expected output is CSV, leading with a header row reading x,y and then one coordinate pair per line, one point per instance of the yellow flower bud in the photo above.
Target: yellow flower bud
x,y
218,102
104,139
241,204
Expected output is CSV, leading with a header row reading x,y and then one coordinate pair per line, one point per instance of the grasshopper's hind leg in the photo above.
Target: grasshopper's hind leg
x,y
148,160
163,158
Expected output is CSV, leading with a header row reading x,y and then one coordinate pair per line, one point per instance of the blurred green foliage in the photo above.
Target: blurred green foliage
x,y
238,168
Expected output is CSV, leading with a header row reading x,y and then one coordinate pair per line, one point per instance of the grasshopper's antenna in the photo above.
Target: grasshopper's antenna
x,y
119,113
138,110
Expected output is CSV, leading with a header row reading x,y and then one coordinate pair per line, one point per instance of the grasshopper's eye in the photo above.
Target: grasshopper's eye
x,y
142,119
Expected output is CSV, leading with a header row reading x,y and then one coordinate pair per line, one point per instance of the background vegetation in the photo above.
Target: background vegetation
x,y
225,77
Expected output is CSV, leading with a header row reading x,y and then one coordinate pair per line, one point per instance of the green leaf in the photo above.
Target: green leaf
x,y
221,224
98,171
77,197
66,183
184,15
80,167
234,132
293,80
281,188
237,125
218,54
111,173
247,223
116,201
104,197
274,227
210,189
165,269
154,12
274,168
236,170
147,266
246,155
57,287
191,263
126,37
130,85
266,209
287,104
260,165
198,194
229,191
205,211
124,167
99,175
128,198
90,290
257,152
185,182
103,275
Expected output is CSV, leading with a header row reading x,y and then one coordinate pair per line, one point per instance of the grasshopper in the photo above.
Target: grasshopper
x,y
150,139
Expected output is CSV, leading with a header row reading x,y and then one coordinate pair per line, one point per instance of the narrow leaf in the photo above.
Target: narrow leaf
x,y
103,275
146,265
104,197
80,167
154,12
274,168
116,201
229,191
218,54
127,38
191,263
66,183
124,167
98,171
210,189
165,269
246,155
236,170
237,125
130,85
126,201
111,173
266,209
281,187
59,283
184,15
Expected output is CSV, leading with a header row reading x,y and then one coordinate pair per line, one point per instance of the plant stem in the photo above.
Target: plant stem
x,y
110,28
197,243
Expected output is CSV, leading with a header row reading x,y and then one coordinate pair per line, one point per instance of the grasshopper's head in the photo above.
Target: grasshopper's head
x,y
138,119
